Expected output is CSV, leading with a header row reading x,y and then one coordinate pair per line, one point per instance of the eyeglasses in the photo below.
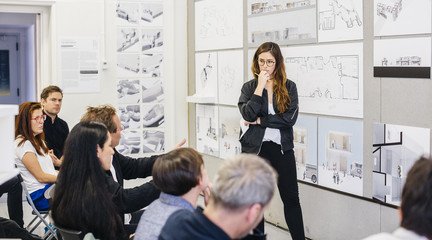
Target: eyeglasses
x,y
40,118
269,62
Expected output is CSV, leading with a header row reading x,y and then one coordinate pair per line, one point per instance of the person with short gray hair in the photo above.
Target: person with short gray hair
x,y
242,189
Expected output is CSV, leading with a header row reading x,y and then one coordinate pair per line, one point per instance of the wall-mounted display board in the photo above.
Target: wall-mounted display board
x,y
229,118
402,57
230,76
207,129
218,24
329,78
250,56
340,154
340,20
395,149
206,75
140,92
284,22
306,147
401,17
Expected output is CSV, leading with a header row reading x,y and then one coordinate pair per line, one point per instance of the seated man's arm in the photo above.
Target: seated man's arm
x,y
133,168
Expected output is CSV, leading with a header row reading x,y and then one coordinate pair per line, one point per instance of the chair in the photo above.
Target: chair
x,y
69,234
39,217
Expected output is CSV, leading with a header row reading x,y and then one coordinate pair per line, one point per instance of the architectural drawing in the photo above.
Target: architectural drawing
x,y
409,58
151,14
305,148
230,76
152,65
340,20
395,149
207,129
128,91
130,143
229,144
267,6
283,27
218,24
340,154
402,17
206,74
153,141
130,116
152,90
126,39
329,80
153,115
151,39
127,13
128,64
389,10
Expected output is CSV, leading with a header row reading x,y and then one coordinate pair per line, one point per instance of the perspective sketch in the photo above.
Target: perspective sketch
x,y
153,141
152,65
151,39
127,38
395,149
340,154
230,76
150,12
128,91
218,24
128,13
286,27
340,20
405,58
401,17
256,7
207,129
128,64
130,142
152,90
153,115
229,143
329,80
305,147
206,74
130,116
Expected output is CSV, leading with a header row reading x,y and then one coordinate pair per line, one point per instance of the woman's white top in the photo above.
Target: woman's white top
x,y
272,134
44,161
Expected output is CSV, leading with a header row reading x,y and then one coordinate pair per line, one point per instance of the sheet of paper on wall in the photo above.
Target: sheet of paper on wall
x,y
79,65
243,126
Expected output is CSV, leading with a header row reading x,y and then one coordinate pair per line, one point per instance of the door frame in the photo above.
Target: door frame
x,y
44,35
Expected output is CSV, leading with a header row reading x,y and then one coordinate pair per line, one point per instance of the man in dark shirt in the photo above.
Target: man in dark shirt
x,y
56,130
123,167
242,189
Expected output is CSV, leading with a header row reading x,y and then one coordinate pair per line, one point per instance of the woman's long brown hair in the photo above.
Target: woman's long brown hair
x,y
283,99
23,127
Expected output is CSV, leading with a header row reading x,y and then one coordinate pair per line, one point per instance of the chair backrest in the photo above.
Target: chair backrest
x,y
69,234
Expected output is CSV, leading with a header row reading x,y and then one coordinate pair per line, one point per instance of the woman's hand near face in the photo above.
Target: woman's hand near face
x,y
263,77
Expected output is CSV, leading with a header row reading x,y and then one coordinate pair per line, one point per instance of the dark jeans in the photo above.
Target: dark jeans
x,y
14,199
285,166
9,229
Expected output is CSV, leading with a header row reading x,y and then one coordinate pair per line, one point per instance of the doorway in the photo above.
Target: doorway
x,y
17,58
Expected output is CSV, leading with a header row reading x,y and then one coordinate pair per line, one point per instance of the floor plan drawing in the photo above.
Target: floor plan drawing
x,y
218,24
340,20
329,80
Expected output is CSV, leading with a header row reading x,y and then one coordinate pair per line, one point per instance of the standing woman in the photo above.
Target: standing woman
x,y
32,157
81,199
269,106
